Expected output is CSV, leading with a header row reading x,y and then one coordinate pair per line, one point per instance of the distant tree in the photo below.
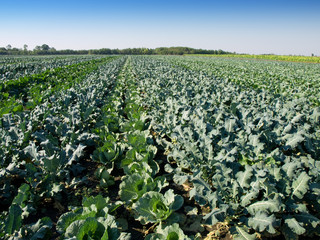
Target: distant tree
x,y
3,51
25,47
104,51
115,51
8,47
147,51
45,47
312,55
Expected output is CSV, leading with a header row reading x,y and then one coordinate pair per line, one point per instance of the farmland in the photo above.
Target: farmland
x,y
159,147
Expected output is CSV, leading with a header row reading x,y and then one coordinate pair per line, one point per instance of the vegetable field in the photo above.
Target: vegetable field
x,y
312,59
159,147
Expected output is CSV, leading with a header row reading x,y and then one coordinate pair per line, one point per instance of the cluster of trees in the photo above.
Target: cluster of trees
x,y
156,51
38,50
45,49
186,50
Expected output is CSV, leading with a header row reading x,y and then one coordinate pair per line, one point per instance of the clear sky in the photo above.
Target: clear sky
x,y
243,26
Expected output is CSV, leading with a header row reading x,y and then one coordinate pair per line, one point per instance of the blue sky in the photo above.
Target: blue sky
x,y
248,26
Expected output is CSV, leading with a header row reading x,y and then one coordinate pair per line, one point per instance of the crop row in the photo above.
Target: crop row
x,y
290,80
257,152
131,169
41,154
27,92
17,67
89,150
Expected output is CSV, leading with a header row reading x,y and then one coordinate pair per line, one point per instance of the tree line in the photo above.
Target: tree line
x,y
45,49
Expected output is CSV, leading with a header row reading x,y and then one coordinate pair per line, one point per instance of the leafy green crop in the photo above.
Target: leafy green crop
x,y
134,186
172,232
91,221
155,207
189,145
251,155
